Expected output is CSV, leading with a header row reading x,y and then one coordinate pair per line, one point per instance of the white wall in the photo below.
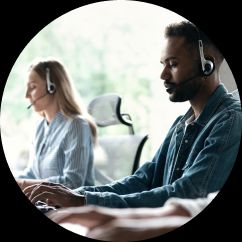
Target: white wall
x,y
227,77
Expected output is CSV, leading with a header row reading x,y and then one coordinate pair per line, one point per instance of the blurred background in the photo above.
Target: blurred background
x,y
107,47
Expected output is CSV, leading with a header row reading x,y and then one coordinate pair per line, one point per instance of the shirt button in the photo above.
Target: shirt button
x,y
177,169
186,141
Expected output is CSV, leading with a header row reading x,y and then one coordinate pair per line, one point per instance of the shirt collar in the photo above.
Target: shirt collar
x,y
210,107
58,117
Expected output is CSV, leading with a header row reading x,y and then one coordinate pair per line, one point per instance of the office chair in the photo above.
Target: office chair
x,y
116,155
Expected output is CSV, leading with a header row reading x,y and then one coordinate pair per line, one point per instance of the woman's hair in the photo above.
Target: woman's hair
x,y
69,103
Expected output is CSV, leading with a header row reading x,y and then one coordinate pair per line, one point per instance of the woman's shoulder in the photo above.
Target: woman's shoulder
x,y
79,120
79,125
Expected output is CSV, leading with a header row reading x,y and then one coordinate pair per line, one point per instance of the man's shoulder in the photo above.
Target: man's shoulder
x,y
236,95
232,103
230,109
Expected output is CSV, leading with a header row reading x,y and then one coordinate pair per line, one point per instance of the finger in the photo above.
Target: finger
x,y
27,194
49,202
29,189
51,184
42,197
38,189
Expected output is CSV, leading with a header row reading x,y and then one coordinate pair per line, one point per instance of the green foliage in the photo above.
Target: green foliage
x,y
98,63
107,49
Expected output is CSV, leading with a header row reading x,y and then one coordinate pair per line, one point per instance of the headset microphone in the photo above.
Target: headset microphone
x,y
36,100
30,106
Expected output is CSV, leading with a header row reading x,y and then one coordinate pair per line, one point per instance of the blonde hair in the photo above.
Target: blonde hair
x,y
69,102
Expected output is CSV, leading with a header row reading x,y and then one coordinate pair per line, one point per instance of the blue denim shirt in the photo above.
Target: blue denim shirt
x,y
191,162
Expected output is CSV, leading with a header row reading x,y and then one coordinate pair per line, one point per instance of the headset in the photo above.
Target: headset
x,y
207,65
51,87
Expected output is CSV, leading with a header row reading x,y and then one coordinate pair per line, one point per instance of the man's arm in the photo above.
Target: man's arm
x,y
207,172
143,179
62,196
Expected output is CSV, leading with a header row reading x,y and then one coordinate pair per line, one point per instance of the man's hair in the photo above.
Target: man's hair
x,y
191,34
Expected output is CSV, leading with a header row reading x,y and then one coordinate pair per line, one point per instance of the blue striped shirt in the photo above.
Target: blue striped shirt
x,y
62,152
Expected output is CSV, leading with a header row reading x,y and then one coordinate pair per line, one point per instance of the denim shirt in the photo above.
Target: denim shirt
x,y
191,162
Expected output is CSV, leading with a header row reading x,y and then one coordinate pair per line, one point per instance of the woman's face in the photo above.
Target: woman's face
x,y
36,92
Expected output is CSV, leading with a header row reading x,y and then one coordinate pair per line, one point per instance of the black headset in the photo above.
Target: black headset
x,y
207,65
51,87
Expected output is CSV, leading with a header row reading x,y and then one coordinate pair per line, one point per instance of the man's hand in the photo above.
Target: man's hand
x,y
54,194
23,183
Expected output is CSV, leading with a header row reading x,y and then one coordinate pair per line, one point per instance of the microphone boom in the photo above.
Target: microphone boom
x,y
36,100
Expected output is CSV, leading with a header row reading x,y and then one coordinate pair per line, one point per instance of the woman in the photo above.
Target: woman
x,y
63,144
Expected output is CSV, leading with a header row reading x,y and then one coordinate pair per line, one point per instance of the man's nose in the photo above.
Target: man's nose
x,y
165,74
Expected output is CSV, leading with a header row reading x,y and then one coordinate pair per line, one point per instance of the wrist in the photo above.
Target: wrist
x,y
21,183
80,200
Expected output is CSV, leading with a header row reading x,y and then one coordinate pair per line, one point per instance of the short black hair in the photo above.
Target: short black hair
x,y
191,34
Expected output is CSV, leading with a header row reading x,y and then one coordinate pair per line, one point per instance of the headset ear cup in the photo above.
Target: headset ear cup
x,y
208,67
51,88
207,64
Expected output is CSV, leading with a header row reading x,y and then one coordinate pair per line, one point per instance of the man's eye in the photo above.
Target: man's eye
x,y
172,65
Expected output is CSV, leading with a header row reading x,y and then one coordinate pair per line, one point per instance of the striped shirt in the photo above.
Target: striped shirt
x,y
62,152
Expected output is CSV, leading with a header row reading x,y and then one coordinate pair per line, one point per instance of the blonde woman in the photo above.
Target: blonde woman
x,y
62,149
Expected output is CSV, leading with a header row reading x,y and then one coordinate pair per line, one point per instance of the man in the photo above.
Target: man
x,y
200,148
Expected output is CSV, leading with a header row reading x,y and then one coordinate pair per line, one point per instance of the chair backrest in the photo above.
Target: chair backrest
x,y
116,155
